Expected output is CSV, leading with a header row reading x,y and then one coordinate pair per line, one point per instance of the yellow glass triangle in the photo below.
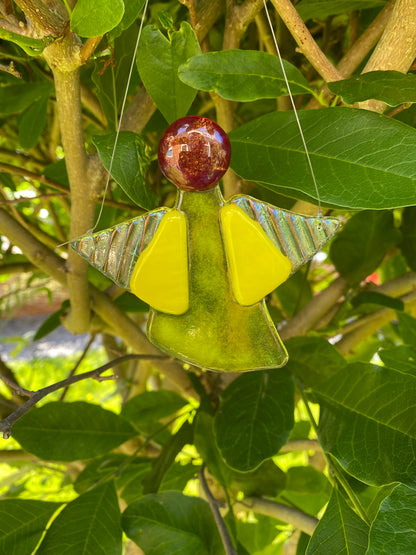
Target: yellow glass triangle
x,y
255,264
160,276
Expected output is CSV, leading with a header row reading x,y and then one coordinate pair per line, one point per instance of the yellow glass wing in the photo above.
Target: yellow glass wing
x,y
160,276
256,265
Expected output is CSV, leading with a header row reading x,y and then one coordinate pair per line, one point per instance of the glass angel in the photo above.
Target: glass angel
x,y
206,265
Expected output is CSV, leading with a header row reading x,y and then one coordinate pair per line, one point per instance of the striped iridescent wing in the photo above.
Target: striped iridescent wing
x,y
297,237
115,251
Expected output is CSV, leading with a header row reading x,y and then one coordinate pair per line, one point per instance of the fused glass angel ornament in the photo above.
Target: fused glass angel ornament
x,y
206,265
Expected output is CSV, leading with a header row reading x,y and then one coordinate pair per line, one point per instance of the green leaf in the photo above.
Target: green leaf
x,y
321,9
340,530
158,60
360,159
16,98
367,412
258,537
381,394
401,358
408,229
307,488
57,172
170,522
31,123
130,165
394,528
391,87
130,303
374,453
267,480
22,523
359,248
374,297
32,47
51,323
92,18
407,328
178,476
71,431
160,466
242,75
89,525
132,9
152,406
204,440
255,418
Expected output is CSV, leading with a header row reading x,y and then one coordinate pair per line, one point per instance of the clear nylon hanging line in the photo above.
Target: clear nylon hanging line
x,y
292,101
118,128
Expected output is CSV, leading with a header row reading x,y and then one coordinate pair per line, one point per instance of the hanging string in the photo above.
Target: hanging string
x,y
292,101
118,129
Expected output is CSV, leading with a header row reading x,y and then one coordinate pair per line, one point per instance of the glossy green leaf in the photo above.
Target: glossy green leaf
x,y
158,61
321,9
401,358
204,440
92,18
359,248
161,464
391,87
374,297
132,9
130,165
151,406
360,159
16,98
394,528
242,75
22,523
255,418
407,328
31,123
170,522
258,537
340,530
89,525
71,431
408,229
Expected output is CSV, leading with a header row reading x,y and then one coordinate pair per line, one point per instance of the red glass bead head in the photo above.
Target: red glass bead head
x,y
194,153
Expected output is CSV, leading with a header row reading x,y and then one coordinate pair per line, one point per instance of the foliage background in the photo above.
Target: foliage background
x,y
315,458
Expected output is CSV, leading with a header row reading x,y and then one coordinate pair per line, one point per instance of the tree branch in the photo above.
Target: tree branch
x,y
312,313
297,518
396,50
7,424
305,41
63,58
45,20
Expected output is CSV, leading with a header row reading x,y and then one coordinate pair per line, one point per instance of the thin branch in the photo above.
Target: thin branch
x,y
213,503
7,424
16,268
297,518
89,47
305,40
301,445
77,365
31,199
312,313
